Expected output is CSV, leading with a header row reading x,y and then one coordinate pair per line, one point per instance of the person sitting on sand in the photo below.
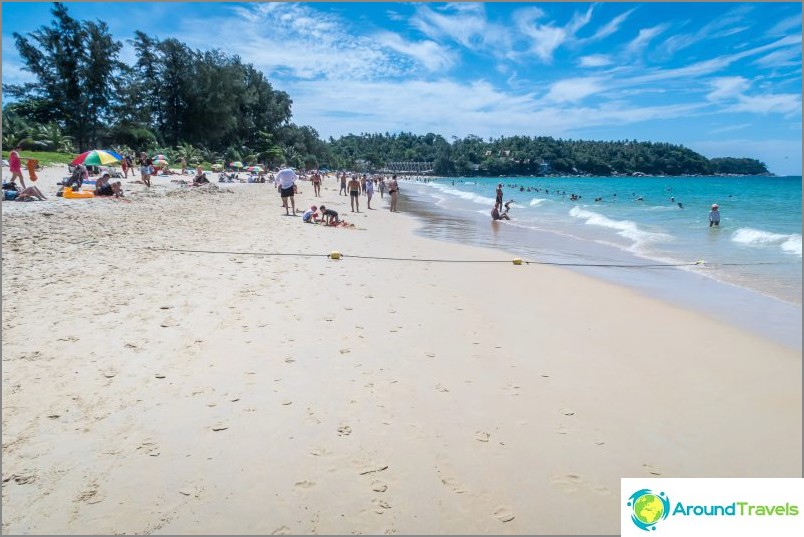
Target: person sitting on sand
x,y
77,178
30,193
200,177
310,216
328,216
104,187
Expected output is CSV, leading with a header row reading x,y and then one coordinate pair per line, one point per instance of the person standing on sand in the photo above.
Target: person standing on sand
x,y
714,216
15,165
146,169
286,180
354,193
316,180
393,190
382,187
183,166
343,185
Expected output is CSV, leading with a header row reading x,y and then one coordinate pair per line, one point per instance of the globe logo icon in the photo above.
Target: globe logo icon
x,y
648,508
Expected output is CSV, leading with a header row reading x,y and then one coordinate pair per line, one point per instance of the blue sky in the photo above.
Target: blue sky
x,y
721,78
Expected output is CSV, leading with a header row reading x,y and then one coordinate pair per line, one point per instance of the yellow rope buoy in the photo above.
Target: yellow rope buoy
x,y
334,255
517,261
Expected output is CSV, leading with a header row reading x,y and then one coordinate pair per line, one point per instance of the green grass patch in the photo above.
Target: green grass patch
x,y
45,158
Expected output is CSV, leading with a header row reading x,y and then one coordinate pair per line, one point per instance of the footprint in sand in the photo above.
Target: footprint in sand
x,y
453,485
377,486
482,436
567,412
504,513
304,484
281,530
380,506
652,469
441,388
344,430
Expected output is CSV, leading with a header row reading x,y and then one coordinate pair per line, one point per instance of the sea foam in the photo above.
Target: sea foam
x,y
624,228
756,237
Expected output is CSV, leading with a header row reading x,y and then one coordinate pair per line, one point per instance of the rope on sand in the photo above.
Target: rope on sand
x,y
516,261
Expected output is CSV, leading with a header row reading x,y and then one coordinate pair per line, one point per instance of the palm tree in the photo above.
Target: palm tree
x,y
51,137
188,152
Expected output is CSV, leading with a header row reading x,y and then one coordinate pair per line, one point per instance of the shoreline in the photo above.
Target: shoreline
x,y
219,393
743,307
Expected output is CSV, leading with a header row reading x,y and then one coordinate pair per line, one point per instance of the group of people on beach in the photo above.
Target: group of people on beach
x,y
286,183
365,186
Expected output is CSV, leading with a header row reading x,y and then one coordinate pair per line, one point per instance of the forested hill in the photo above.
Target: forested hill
x,y
209,106
525,155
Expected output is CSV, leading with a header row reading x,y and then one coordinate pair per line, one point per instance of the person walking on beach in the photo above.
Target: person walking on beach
x,y
393,190
286,179
15,165
369,192
354,193
714,216
146,169
382,187
498,203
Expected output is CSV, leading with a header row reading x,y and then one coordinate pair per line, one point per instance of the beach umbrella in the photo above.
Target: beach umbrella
x,y
255,169
217,167
160,156
97,157
236,164
160,162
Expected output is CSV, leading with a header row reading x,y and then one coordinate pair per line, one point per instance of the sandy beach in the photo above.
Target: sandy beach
x,y
219,392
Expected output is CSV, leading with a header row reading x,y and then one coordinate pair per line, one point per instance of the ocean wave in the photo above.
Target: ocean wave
x,y
470,196
536,201
625,228
790,243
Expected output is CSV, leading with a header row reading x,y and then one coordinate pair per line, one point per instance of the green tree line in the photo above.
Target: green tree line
x,y
210,106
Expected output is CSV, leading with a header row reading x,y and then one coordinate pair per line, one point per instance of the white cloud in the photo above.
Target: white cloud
x,y
611,27
644,38
574,89
300,41
730,128
547,38
785,57
727,88
595,60
465,24
428,53
783,103
785,25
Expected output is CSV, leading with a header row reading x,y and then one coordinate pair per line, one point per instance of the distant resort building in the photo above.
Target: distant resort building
x,y
417,168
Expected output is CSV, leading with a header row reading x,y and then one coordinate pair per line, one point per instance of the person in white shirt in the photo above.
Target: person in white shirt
x,y
286,182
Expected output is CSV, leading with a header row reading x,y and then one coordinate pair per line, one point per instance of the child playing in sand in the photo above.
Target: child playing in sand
x,y
310,216
328,216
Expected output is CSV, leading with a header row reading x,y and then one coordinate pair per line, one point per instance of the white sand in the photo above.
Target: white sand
x,y
149,391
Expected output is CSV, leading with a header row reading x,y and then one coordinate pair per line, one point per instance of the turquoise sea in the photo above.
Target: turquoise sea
x,y
752,263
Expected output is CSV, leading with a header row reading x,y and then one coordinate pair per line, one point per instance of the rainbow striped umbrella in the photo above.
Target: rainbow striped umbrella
x,y
97,157
160,156
159,162
255,169
236,164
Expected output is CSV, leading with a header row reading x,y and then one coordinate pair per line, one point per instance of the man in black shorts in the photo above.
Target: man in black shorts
x,y
286,180
354,193
103,187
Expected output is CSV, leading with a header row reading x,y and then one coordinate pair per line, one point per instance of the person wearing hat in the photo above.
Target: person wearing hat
x,y
714,216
